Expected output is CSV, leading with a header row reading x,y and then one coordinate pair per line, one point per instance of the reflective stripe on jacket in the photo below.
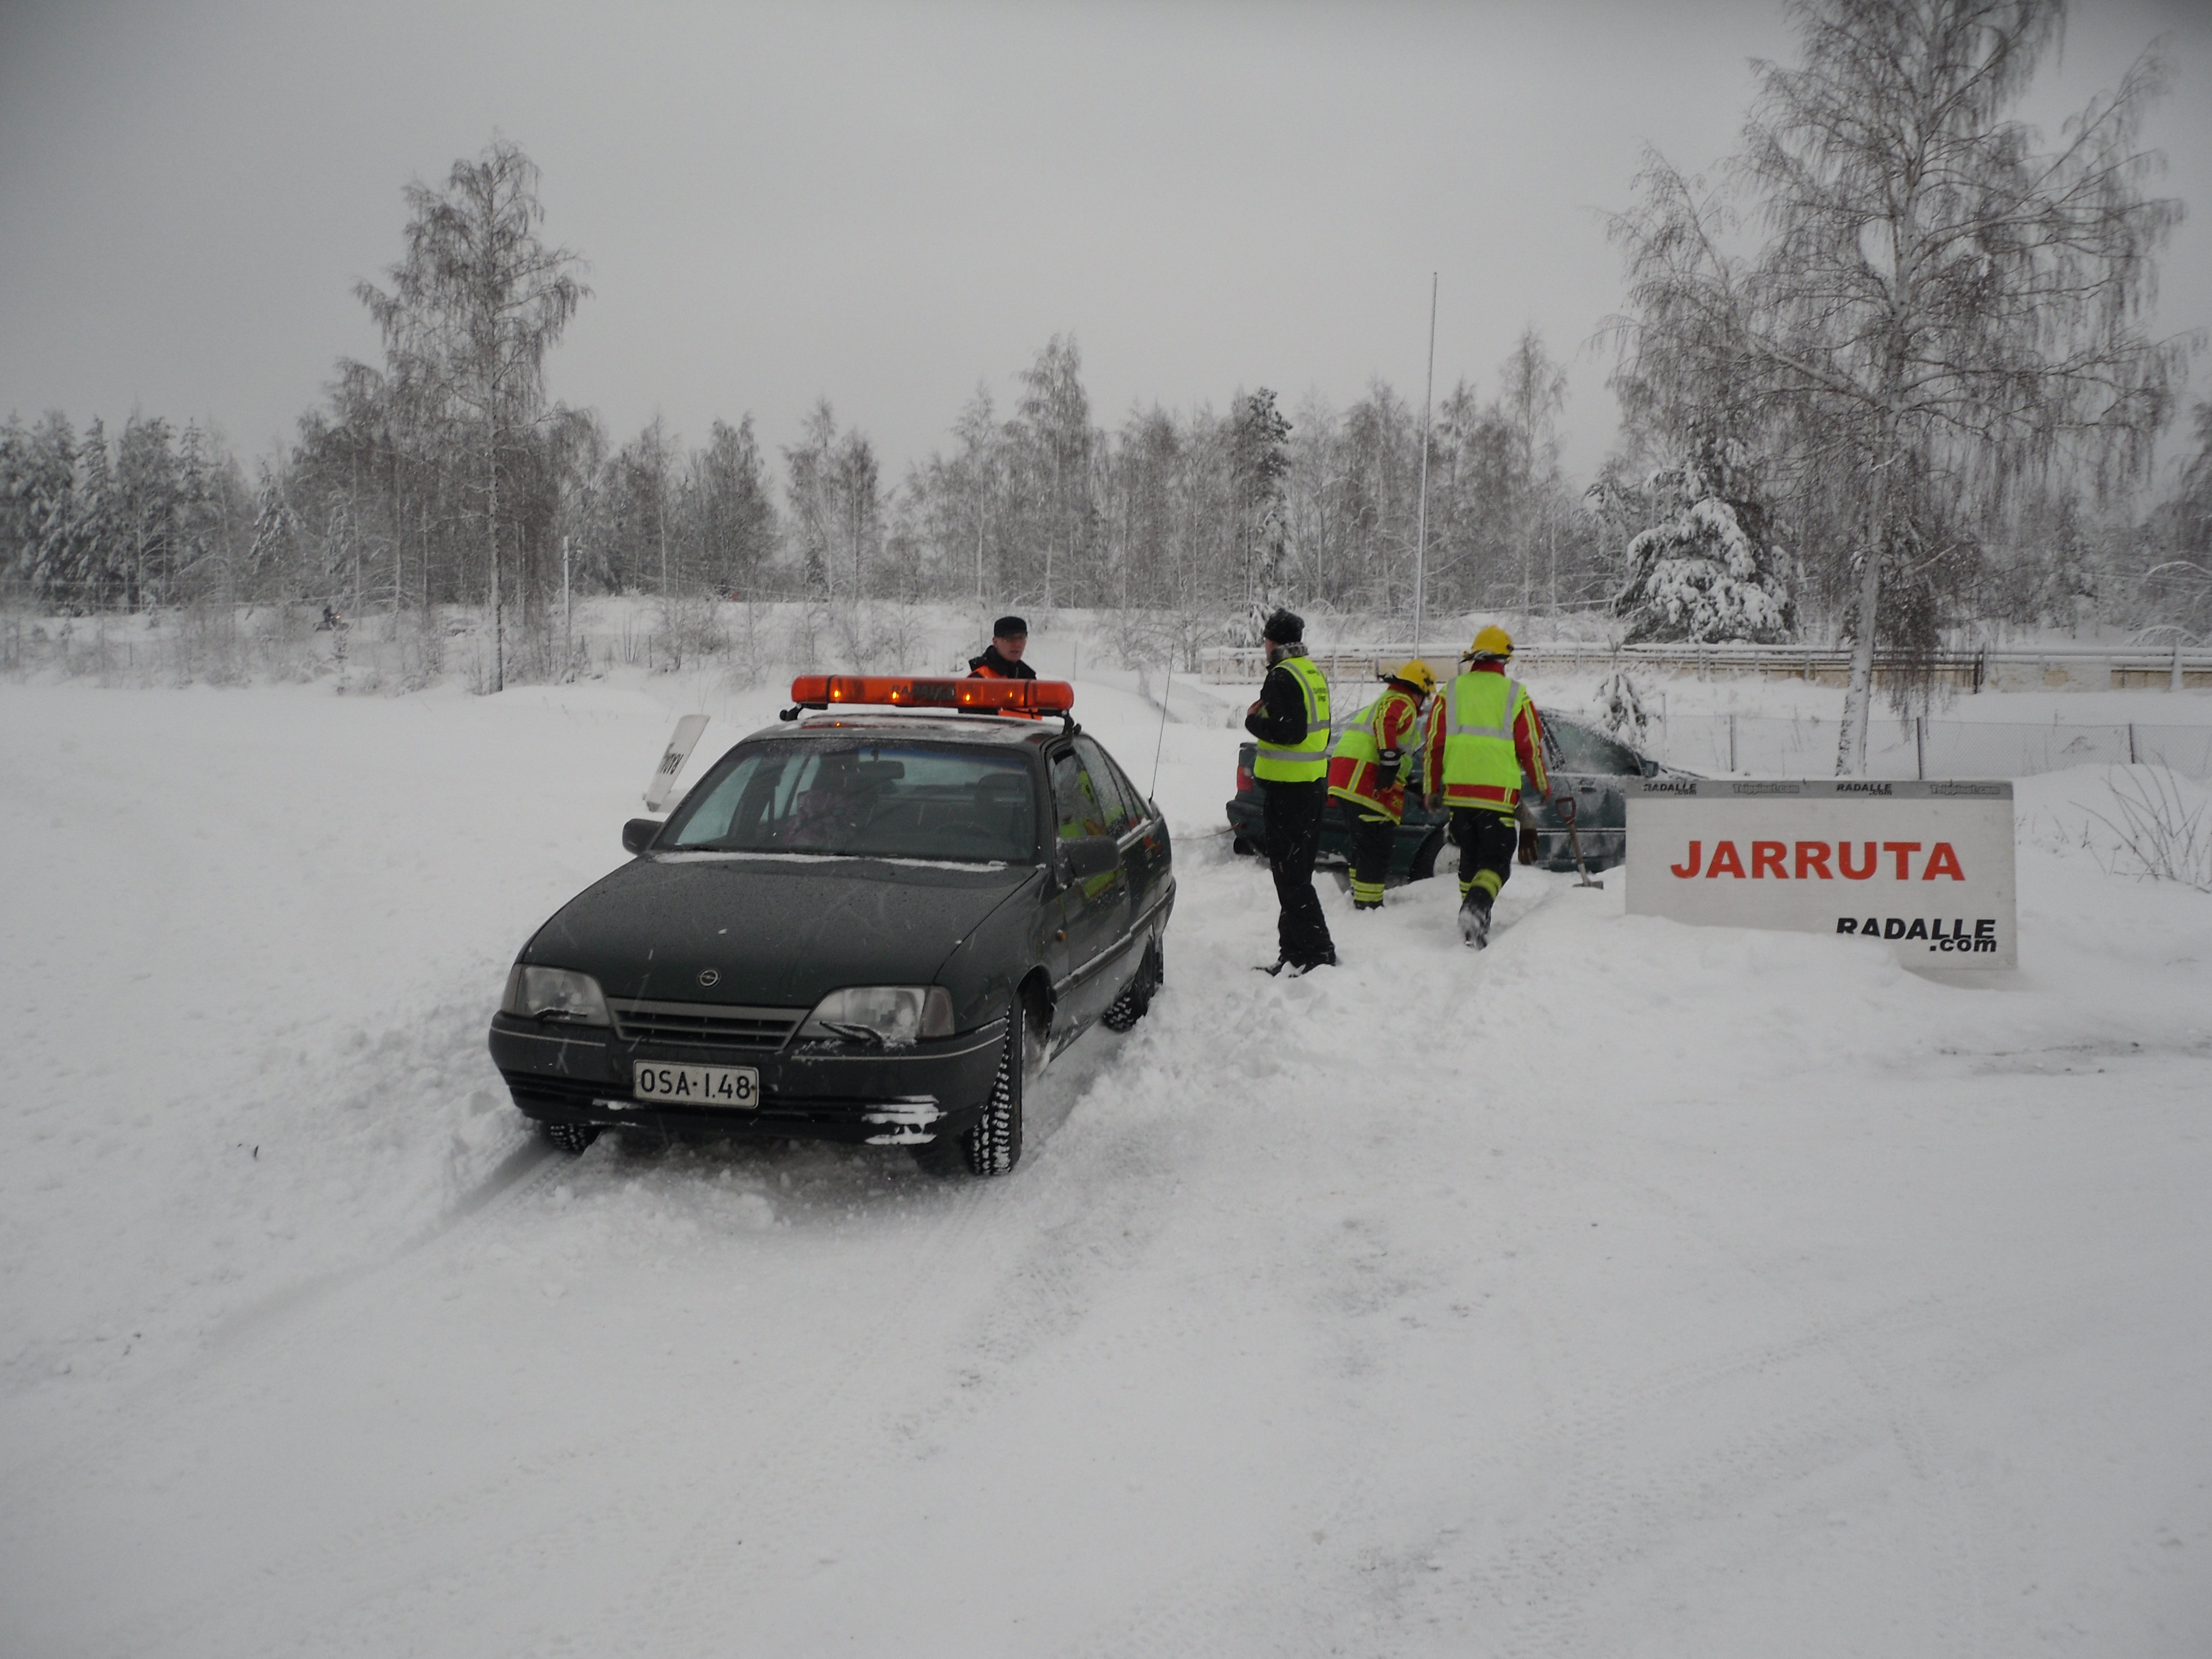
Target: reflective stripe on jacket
x,y
1355,764
1489,735
1306,760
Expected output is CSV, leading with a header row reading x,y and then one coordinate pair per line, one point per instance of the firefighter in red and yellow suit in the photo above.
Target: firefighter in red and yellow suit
x,y
1486,735
1374,756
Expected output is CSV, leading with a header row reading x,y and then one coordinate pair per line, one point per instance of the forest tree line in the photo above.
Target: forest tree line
x,y
1892,364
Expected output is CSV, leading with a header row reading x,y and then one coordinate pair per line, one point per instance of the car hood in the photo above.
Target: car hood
x,y
774,931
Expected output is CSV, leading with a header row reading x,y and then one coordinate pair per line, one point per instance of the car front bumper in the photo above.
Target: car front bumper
x,y
811,1091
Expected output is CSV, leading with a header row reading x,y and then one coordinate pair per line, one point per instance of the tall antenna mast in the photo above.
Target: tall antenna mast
x,y
1421,535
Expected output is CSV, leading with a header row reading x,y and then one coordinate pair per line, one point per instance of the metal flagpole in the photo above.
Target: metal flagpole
x,y
1421,534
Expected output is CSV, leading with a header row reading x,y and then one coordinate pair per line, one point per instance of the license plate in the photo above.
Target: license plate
x,y
697,1085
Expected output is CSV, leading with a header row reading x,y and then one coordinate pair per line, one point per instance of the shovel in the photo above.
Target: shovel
x,y
1564,806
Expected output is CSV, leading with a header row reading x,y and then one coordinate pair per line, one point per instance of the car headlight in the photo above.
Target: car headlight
x,y
893,1015
553,993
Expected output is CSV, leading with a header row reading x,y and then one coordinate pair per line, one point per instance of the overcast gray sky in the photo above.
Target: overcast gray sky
x,y
886,205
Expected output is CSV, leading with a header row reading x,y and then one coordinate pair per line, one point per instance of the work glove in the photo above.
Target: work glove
x,y
1386,770
1527,849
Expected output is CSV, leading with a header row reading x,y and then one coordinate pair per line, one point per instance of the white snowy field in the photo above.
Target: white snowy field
x,y
1628,1288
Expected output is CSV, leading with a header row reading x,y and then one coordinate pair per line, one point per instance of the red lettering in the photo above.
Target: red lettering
x,y
1726,860
1766,858
1843,859
1943,861
1905,850
1686,871
1813,856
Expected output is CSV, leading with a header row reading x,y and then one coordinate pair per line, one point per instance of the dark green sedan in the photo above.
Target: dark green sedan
x,y
861,926
1585,766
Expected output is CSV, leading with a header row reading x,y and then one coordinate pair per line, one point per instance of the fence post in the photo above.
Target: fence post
x,y
1731,743
2131,743
2176,685
1920,747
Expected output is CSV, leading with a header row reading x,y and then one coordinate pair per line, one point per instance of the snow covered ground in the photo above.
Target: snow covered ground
x,y
1629,1289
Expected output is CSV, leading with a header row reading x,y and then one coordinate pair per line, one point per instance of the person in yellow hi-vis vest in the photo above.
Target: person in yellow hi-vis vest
x,y
1487,736
1368,769
1291,721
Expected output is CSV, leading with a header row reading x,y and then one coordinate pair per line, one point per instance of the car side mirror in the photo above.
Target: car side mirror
x,y
638,834
1085,856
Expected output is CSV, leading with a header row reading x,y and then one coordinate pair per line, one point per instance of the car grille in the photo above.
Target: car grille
x,y
705,1024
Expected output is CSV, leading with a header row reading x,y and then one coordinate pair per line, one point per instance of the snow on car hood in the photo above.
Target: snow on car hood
x,y
772,933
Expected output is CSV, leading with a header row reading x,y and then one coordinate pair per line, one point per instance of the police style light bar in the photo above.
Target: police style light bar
x,y
943,693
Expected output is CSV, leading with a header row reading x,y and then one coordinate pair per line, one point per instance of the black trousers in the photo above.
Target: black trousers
x,y
1487,842
1290,817
1373,837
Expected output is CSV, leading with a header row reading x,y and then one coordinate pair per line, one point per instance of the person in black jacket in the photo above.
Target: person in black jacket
x,y
1002,658
1283,718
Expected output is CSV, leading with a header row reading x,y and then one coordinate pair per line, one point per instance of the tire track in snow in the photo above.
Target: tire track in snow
x,y
269,1338
1035,1292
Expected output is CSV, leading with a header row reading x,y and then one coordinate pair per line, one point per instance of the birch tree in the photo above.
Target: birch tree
x,y
1940,309
472,310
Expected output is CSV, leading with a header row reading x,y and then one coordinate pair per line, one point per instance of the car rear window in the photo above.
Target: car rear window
x,y
872,800
1583,751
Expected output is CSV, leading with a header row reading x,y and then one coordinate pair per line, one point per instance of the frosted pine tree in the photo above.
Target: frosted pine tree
x,y
1621,707
1708,570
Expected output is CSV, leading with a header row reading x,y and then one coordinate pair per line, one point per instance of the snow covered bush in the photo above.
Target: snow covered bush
x,y
1707,570
1621,707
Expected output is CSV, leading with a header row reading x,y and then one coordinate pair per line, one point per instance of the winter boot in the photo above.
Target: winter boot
x,y
1474,919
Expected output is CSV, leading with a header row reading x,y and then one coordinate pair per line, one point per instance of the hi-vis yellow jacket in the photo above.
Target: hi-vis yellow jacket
x,y
1487,735
1355,766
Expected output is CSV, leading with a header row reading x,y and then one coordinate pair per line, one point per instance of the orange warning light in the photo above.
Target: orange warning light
x,y
903,691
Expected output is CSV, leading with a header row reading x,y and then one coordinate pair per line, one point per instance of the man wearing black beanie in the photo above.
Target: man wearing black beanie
x,y
1002,658
1291,721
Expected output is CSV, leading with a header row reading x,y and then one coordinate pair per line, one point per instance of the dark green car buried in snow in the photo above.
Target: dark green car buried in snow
x,y
1586,767
862,926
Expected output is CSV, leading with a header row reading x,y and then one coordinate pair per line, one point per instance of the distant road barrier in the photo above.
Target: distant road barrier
x,y
2040,668
1766,745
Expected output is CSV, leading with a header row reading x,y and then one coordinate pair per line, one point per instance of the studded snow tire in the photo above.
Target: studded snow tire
x,y
573,1138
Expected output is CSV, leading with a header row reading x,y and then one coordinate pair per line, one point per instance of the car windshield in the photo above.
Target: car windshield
x,y
1583,751
875,801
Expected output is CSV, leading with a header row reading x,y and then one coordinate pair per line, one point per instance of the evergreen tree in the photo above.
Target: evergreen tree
x,y
1259,460
86,581
1708,571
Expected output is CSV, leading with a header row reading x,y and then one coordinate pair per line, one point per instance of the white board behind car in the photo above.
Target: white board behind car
x,y
1925,867
662,785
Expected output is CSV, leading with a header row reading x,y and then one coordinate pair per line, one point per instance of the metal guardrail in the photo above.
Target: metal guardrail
x,y
1772,745
2040,668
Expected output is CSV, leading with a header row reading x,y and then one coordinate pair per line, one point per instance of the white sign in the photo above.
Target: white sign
x,y
1927,868
671,761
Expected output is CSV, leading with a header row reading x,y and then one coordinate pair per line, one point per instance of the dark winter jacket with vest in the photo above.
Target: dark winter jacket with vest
x,y
1281,716
992,667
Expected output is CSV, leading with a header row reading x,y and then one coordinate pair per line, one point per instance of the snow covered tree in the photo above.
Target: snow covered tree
x,y
84,579
1621,707
1708,570
472,312
1052,450
728,510
1259,458
1941,313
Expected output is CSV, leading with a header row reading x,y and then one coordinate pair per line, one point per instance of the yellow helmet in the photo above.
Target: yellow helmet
x,y
1491,642
1417,674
